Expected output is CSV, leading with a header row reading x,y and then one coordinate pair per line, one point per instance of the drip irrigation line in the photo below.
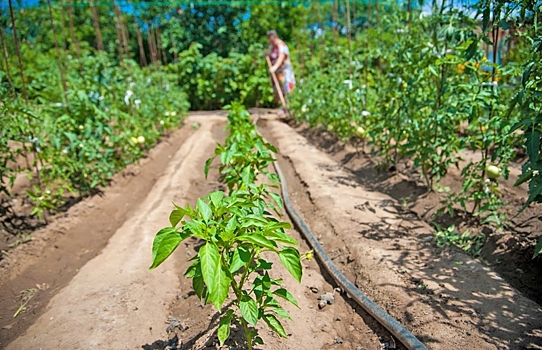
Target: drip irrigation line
x,y
392,325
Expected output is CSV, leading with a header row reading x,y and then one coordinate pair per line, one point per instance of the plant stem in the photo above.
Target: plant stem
x,y
247,333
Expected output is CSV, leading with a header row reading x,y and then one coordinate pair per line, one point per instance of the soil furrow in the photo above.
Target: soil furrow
x,y
443,296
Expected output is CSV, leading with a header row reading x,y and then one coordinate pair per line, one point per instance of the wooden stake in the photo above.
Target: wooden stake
x,y
96,23
156,40
174,48
142,57
119,30
6,59
18,51
349,36
161,48
73,37
58,58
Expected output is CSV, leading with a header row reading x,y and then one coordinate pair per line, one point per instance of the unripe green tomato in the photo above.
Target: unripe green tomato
x,y
360,131
493,172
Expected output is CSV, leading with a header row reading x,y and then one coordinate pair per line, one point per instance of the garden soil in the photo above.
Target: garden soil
x,y
88,270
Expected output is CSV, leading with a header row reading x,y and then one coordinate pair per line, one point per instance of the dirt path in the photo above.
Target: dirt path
x,y
105,297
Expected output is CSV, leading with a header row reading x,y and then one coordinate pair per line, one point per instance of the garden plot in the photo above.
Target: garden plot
x,y
444,297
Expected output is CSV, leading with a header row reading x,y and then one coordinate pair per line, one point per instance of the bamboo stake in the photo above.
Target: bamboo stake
x,y
349,37
161,48
63,34
122,30
174,48
142,57
156,42
73,37
120,50
18,50
96,23
57,49
6,59
149,41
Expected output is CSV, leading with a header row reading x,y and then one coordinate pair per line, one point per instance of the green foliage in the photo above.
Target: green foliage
x,y
419,93
470,244
213,81
238,233
115,113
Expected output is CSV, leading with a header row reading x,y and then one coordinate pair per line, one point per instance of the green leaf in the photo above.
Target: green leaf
x,y
224,327
282,313
194,269
281,237
216,197
176,216
241,256
246,175
284,294
275,325
214,276
289,257
249,309
165,242
258,240
204,209
198,285
277,198
208,166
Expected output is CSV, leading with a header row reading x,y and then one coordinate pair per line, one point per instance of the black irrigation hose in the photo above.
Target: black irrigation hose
x,y
395,328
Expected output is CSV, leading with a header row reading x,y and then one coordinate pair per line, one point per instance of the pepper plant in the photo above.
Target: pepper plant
x,y
238,233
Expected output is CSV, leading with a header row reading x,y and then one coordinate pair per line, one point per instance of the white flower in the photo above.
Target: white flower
x,y
58,104
161,122
100,98
129,94
364,86
349,82
304,109
148,80
132,84
365,113
137,103
173,114
65,150
167,87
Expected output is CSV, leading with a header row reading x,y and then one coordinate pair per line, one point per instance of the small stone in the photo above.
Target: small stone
x,y
322,304
327,297
135,308
338,340
314,289
337,319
